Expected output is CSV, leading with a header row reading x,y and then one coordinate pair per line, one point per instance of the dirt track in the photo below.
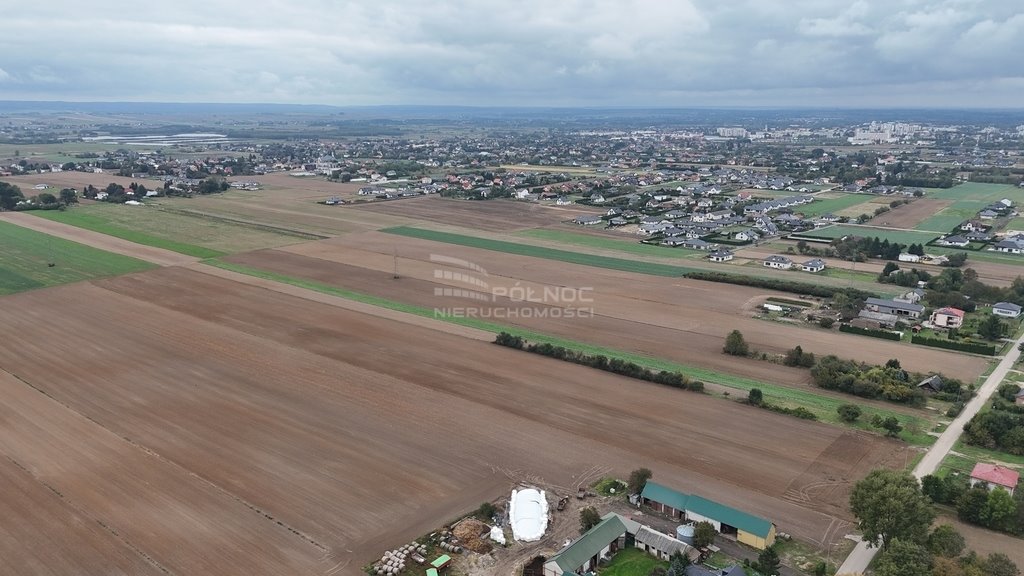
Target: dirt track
x,y
230,429
96,240
683,320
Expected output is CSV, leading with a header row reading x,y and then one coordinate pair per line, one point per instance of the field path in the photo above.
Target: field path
x,y
158,256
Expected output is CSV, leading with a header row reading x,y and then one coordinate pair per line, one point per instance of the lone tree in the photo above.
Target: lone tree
x,y
704,534
638,479
755,397
849,412
735,344
889,504
768,563
588,519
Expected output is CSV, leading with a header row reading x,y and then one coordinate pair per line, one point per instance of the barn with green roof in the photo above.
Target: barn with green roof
x,y
747,528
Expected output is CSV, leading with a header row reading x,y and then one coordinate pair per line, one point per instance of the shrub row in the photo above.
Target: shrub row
x,y
973,347
799,411
819,290
614,365
885,334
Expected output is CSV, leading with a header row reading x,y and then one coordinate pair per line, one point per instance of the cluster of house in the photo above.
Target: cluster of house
x,y
885,313
615,532
783,263
758,208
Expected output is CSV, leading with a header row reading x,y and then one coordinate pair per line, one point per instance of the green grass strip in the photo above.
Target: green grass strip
x,y
824,407
609,262
97,224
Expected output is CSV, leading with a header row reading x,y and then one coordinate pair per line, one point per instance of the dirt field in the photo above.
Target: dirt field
x,y
490,215
630,310
910,215
985,542
220,428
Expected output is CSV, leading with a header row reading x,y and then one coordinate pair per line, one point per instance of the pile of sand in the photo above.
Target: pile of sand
x,y
473,535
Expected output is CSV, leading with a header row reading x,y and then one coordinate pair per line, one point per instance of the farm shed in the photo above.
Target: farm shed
x,y
748,529
583,554
661,545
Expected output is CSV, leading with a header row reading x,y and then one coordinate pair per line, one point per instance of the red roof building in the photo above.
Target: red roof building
x,y
992,475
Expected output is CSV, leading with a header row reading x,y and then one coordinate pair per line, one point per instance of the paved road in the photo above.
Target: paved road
x,y
858,560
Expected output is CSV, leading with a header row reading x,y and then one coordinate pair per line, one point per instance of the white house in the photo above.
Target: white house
x,y
1006,309
721,256
906,257
780,262
815,265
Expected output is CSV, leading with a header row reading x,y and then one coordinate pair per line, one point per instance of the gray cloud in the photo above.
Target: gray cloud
x,y
531,52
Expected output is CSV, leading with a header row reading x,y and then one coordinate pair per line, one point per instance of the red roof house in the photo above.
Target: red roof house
x,y
992,475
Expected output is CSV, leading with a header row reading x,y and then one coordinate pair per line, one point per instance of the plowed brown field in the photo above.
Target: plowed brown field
x,y
679,319
207,426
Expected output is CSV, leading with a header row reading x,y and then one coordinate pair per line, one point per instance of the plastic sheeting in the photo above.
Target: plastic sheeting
x,y
528,512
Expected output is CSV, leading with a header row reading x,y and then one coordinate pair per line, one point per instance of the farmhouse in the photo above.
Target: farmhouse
x,y
748,529
583,554
894,307
720,256
992,476
1006,309
947,318
780,262
815,265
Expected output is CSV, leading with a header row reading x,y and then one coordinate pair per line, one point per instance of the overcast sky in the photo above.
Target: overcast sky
x,y
677,53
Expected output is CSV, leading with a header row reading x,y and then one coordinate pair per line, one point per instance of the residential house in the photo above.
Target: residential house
x,y
912,296
894,307
829,217
988,214
1006,309
779,262
1013,245
974,226
597,199
583,554
956,240
618,221
978,236
814,265
721,256
746,236
691,243
991,476
947,317
587,220
562,201
746,528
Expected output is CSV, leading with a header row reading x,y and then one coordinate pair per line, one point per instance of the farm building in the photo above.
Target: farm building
x,y
1006,309
748,529
661,546
583,554
894,308
992,476
931,384
815,265
947,318
780,262
905,257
